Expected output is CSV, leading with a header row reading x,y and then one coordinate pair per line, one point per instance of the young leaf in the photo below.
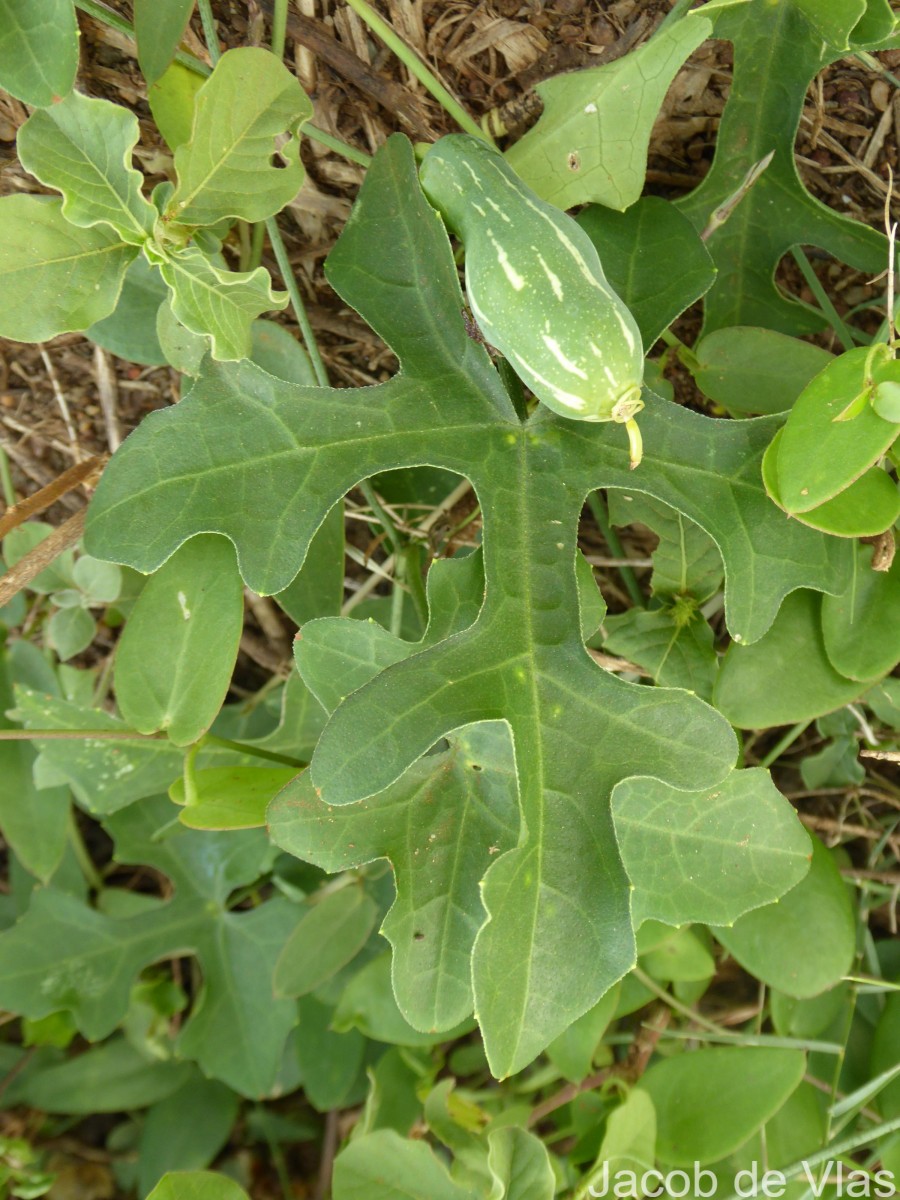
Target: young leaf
x,y
520,1166
55,277
82,147
776,53
686,562
38,49
805,942
674,651
708,856
226,169
230,797
64,955
223,304
175,657
590,143
159,25
577,730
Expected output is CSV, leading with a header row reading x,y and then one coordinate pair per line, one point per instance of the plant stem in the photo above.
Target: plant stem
x,y
9,492
841,330
673,1002
343,148
129,735
287,274
782,744
90,872
415,65
210,739
601,516
279,27
257,240
210,33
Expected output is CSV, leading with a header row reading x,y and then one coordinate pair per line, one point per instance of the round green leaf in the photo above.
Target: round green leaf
x,y
869,506
803,943
711,1101
231,797
860,629
750,370
759,685
820,456
176,654
328,936
886,400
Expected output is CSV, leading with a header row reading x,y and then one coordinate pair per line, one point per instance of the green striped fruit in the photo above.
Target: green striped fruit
x,y
536,287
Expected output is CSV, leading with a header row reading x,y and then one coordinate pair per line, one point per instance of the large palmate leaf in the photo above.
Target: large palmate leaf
x,y
776,53
82,147
38,49
64,955
261,460
591,141
54,276
226,169
441,825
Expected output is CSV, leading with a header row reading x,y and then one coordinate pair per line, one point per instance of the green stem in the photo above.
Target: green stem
x,y
190,779
782,744
210,739
9,492
842,331
598,508
415,65
672,1002
257,240
685,354
279,27
129,735
287,274
210,33
90,872
343,148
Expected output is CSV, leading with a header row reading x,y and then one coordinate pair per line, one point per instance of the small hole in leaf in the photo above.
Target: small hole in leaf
x,y
418,937
476,766
278,162
573,162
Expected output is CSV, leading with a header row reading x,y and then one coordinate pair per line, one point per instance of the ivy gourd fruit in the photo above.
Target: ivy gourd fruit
x,y
537,288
